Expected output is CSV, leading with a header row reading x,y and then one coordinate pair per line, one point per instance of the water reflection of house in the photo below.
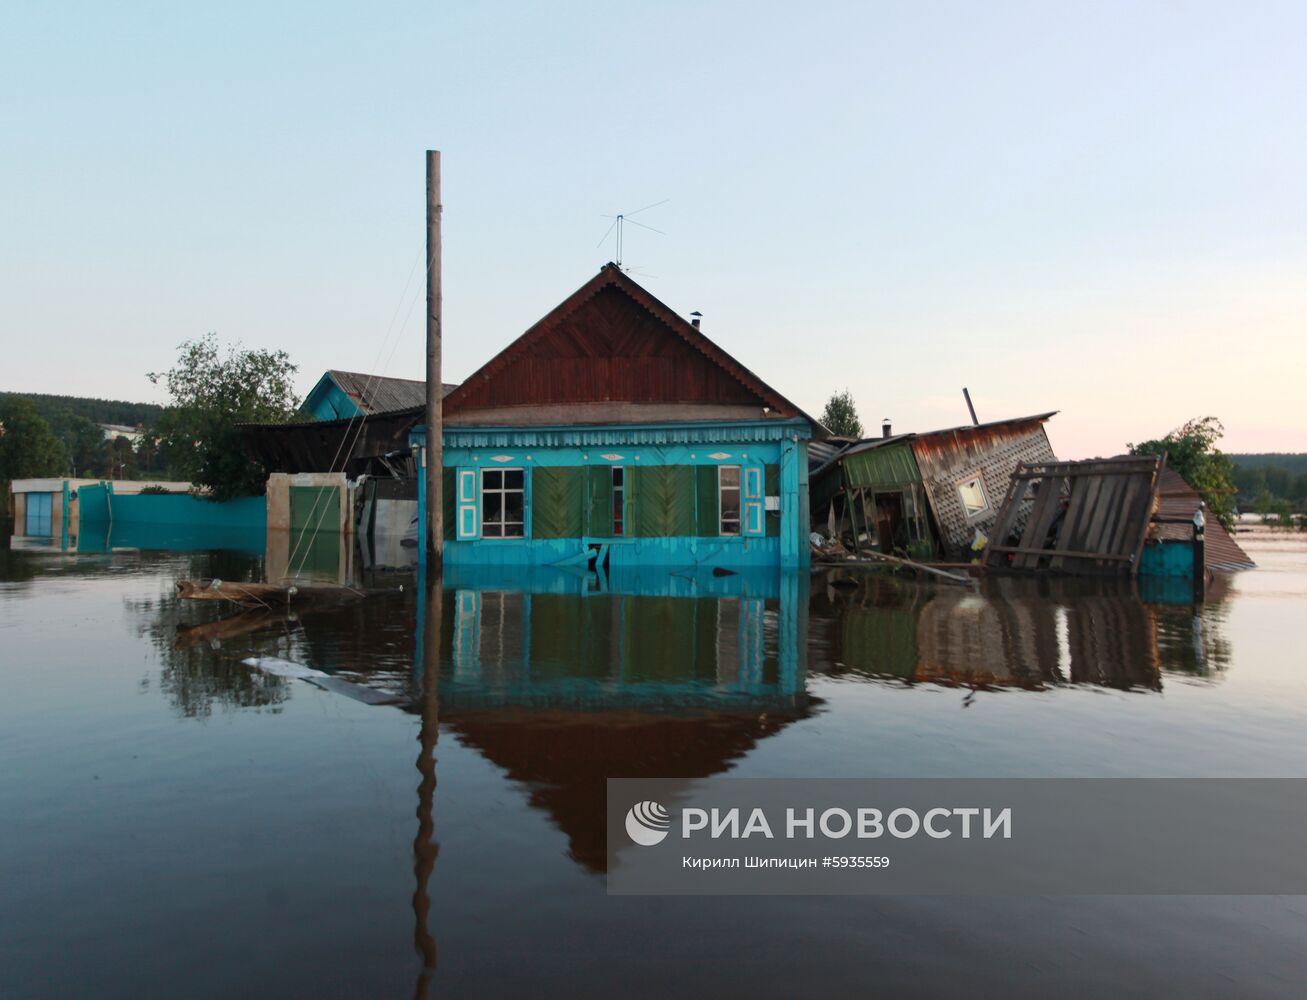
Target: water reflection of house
x,y
564,685
1011,634
925,493
613,429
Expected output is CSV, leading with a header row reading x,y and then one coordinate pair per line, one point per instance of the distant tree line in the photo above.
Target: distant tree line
x,y
193,439
1271,477
97,411
1274,486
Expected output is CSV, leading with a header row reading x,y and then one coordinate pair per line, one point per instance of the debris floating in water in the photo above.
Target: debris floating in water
x,y
277,667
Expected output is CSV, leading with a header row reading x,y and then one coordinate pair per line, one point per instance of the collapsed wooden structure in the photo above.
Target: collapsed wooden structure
x,y
1077,517
927,495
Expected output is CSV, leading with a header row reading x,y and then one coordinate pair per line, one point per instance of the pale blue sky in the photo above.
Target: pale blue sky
x,y
1097,208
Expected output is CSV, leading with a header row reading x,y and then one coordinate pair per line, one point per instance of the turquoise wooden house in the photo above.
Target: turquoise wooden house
x,y
340,395
614,433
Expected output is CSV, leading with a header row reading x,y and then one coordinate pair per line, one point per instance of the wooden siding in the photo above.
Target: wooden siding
x,y
990,453
883,467
611,341
608,349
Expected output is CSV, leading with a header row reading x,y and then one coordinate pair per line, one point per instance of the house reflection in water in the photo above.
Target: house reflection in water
x,y
572,678
1012,633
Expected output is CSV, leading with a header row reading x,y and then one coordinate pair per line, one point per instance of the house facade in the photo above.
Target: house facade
x,y
614,433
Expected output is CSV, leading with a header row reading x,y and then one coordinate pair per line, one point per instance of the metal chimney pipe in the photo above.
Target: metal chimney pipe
x,y
885,430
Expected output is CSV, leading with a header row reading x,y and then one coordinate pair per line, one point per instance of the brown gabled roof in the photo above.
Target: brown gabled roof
x,y
554,324
1177,500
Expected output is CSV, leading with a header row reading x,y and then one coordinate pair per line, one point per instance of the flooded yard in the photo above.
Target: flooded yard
x,y
175,823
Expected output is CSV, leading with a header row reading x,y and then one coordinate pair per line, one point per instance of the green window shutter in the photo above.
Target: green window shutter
x,y
599,501
706,501
772,488
557,501
751,522
666,501
468,502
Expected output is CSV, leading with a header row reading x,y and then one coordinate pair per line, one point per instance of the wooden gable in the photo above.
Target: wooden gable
x,y
611,341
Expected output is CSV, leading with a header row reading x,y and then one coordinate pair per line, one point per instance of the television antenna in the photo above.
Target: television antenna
x,y
620,222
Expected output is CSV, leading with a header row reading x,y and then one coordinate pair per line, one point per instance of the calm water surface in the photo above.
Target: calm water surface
x,y
175,824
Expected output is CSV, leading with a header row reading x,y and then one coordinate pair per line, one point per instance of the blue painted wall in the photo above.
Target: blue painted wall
x,y
99,504
745,443
1167,559
328,401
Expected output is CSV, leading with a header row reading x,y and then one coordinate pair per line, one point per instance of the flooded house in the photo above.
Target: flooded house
x,y
929,495
614,432
1170,548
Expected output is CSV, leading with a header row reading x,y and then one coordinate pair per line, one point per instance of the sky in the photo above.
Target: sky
x,y
1095,208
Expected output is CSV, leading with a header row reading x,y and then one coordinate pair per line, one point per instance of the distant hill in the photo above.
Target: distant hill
x,y
100,411
1293,463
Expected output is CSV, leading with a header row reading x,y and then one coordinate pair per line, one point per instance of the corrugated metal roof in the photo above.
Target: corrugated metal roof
x,y
1177,499
379,394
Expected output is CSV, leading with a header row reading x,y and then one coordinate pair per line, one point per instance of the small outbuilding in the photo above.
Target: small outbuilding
x,y
927,495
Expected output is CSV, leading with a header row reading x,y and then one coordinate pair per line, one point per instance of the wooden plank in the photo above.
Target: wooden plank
x,y
1016,490
905,563
1064,553
1120,538
1092,467
1041,519
1107,508
1090,491
1081,490
1152,505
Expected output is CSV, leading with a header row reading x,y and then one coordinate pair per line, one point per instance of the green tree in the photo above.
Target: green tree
x,y
151,456
211,391
1251,480
1279,481
1300,488
28,448
120,458
841,416
83,441
1191,451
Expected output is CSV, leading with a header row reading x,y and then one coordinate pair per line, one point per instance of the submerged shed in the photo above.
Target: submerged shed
x,y
926,494
1177,502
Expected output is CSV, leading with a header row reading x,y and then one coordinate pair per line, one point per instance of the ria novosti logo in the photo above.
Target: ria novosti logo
x,y
647,823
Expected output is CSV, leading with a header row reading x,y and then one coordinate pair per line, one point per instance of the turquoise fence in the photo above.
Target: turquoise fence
x,y
173,521
99,503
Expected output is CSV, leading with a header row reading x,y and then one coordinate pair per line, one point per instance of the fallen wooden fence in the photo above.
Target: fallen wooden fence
x,y
1083,517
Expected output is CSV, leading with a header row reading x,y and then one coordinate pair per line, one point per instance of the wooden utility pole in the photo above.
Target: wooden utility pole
x,y
434,529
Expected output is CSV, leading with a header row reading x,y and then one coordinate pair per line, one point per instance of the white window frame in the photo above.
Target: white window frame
x,y
978,482
617,495
738,489
503,492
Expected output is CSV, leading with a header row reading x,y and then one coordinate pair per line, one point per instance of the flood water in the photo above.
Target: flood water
x,y
173,823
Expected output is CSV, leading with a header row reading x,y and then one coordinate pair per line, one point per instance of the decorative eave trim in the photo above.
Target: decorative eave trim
x,y
622,435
